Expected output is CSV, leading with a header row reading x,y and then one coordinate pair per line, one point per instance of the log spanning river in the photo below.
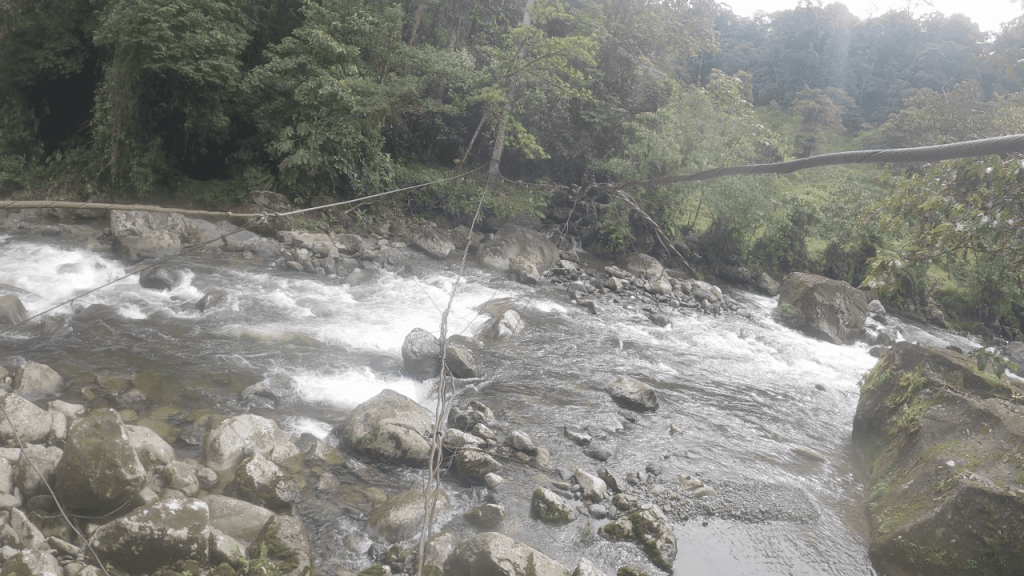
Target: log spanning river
x,y
743,399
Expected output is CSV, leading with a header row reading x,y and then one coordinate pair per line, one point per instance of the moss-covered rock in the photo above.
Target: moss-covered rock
x,y
472,465
648,526
390,428
942,443
282,545
549,507
495,554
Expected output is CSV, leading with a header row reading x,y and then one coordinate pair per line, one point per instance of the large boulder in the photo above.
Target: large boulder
x,y
941,440
500,328
421,354
12,311
645,266
648,526
472,466
31,422
549,507
633,394
139,235
828,309
494,554
157,535
511,241
100,469
31,563
390,428
34,381
226,444
401,517
432,241
152,449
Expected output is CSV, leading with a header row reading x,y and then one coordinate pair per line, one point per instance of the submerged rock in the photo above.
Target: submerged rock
x,y
401,517
158,278
633,394
549,507
495,554
831,310
500,328
941,440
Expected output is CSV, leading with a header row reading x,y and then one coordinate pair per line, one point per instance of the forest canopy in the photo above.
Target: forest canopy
x,y
342,98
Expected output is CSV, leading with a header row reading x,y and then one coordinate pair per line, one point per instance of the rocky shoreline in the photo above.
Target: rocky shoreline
x,y
228,511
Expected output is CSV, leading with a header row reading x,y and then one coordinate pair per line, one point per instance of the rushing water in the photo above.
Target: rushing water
x,y
740,392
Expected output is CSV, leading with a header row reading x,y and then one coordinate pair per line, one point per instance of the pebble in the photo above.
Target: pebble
x,y
492,480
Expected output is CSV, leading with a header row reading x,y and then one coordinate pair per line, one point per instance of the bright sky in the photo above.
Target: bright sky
x,y
988,14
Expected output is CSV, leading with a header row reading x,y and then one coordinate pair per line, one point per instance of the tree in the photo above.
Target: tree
x,y
171,69
819,116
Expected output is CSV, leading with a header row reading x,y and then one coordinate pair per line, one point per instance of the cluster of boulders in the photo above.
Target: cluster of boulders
x,y
146,511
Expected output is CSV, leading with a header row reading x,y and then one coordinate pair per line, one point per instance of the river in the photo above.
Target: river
x,y
738,393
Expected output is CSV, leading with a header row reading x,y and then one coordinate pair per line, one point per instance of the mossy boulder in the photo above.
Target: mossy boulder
x,y
648,526
236,518
942,442
549,507
31,563
389,427
166,532
495,554
401,517
100,470
225,445
831,310
282,547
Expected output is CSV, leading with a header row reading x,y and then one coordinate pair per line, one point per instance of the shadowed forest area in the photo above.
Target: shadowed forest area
x,y
201,101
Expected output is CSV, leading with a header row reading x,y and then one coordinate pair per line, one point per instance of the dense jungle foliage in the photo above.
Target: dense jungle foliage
x,y
207,99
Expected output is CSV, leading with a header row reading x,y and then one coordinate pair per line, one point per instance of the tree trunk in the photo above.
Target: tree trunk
x,y
493,171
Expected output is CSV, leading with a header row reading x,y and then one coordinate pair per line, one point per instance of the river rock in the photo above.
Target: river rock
x,y
153,450
421,354
941,441
181,476
390,428
471,466
224,548
100,470
401,517
157,535
648,526
495,554
511,241
459,358
31,563
12,311
524,271
7,472
432,241
34,381
261,482
645,266
286,542
317,243
31,422
593,487
633,394
210,299
139,235
28,535
587,568
158,278
225,445
238,519
45,459
831,310
500,328
519,441
550,507
486,517
766,284
876,308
